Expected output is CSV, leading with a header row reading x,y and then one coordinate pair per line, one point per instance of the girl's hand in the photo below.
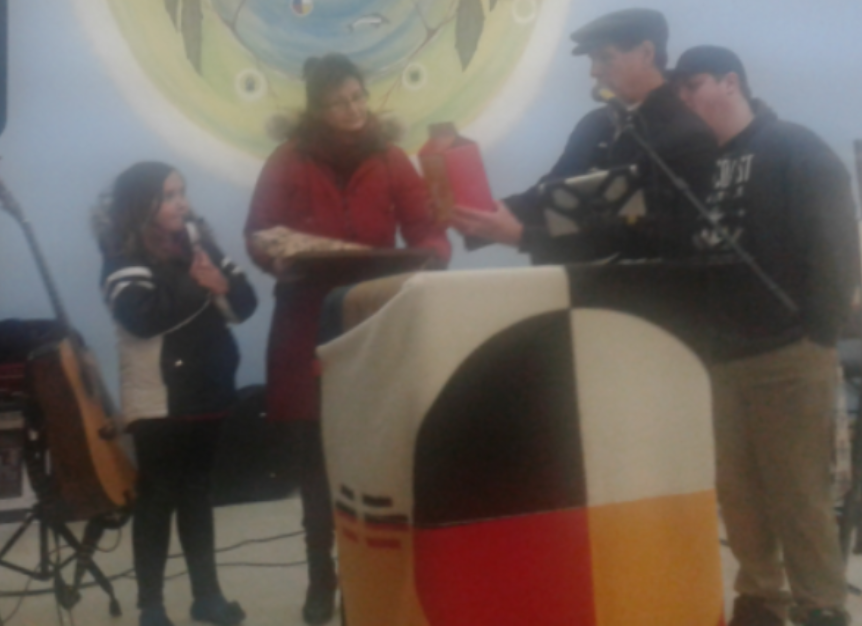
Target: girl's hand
x,y
208,275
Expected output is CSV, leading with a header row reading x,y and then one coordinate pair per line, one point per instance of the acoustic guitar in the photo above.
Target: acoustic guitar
x,y
91,472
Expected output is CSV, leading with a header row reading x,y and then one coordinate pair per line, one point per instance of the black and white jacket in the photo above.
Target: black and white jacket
x,y
676,134
177,354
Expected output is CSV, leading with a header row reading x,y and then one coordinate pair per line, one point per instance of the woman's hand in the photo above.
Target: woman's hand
x,y
500,226
208,275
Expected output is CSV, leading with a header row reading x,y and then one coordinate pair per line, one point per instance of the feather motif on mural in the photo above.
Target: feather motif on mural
x,y
231,66
468,29
188,17
171,7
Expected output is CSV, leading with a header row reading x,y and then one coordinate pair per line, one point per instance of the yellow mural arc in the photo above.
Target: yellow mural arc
x,y
211,75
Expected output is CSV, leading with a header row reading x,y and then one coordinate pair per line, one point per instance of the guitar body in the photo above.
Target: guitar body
x,y
91,472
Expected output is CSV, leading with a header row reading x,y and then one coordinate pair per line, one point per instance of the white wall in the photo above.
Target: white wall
x,y
70,132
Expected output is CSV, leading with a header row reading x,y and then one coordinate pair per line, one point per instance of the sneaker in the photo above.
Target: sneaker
x,y
319,607
825,617
752,611
154,616
217,610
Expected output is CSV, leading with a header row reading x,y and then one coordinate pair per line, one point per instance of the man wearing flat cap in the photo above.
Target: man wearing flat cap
x,y
786,198
628,52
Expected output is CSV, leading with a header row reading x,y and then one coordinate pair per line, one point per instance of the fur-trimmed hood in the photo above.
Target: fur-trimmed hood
x,y
285,125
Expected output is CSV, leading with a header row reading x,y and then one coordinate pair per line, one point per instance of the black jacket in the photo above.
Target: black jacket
x,y
676,134
177,355
786,198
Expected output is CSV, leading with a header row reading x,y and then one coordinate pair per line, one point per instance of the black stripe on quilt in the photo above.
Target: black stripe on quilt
x,y
503,436
673,296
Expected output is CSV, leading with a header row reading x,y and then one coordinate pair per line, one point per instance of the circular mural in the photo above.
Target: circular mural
x,y
226,69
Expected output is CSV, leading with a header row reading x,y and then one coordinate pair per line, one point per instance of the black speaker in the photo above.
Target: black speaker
x,y
256,460
4,57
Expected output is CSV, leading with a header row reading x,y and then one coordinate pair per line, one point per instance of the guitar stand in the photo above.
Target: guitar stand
x,y
67,595
47,513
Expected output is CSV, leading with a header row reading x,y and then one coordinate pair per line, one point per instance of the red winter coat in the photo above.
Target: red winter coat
x,y
297,190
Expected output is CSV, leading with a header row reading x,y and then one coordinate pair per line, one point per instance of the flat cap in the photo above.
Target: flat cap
x,y
629,26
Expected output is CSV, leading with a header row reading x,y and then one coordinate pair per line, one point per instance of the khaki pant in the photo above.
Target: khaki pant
x,y
774,436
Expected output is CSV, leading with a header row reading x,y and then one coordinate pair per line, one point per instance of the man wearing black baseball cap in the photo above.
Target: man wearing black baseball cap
x,y
628,52
786,198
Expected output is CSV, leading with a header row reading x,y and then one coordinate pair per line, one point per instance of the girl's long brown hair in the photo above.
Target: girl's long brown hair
x,y
127,211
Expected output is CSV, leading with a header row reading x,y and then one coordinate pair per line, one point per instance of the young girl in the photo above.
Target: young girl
x,y
172,293
338,183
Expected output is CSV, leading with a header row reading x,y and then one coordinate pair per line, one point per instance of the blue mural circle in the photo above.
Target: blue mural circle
x,y
379,35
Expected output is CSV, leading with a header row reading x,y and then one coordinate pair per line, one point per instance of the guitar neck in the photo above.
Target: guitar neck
x,y
42,265
11,206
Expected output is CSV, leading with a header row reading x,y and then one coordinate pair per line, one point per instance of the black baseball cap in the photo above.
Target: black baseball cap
x,y
713,60
628,27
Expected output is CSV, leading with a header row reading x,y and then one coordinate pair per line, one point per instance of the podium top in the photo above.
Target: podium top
x,y
342,267
374,253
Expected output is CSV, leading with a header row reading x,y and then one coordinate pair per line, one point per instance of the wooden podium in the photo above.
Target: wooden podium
x,y
300,293
320,277
503,450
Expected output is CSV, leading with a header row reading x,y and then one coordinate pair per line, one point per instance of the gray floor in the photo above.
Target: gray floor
x,y
272,596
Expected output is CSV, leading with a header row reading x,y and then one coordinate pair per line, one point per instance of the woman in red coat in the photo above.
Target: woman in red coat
x,y
337,183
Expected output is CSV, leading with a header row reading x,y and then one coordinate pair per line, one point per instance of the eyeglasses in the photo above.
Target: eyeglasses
x,y
343,105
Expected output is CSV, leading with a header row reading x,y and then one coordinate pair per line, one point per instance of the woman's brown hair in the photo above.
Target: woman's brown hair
x,y
323,74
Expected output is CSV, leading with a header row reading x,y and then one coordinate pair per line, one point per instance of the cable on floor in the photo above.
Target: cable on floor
x,y
115,546
4,621
129,573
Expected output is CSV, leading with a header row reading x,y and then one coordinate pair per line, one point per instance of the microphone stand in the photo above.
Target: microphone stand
x,y
682,187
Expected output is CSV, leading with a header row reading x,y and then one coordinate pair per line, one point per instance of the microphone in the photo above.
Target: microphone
x,y
603,94
608,97
193,232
